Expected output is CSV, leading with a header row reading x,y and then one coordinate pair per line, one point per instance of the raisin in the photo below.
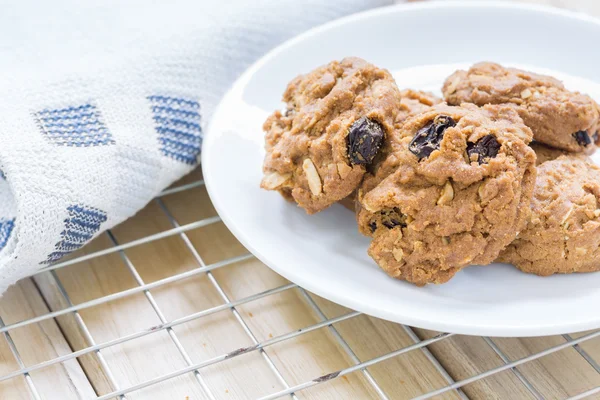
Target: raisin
x,y
582,137
393,217
485,148
429,137
373,226
364,141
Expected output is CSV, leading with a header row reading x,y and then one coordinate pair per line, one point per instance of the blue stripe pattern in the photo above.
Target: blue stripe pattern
x,y
6,228
80,126
177,122
81,225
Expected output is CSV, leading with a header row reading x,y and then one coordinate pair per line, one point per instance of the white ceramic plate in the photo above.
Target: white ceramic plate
x,y
421,44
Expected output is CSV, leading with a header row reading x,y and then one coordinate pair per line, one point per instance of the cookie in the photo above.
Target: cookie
x,y
558,117
453,191
563,234
337,117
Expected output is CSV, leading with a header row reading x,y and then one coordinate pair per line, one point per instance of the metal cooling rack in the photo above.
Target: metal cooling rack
x,y
293,391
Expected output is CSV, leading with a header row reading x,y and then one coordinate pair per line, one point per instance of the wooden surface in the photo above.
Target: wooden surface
x,y
303,358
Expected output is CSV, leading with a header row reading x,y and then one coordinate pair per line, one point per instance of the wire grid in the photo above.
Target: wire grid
x,y
288,390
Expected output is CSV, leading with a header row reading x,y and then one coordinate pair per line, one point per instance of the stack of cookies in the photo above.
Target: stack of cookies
x,y
497,170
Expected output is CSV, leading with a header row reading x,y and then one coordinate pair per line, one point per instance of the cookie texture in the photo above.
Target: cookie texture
x,y
563,234
558,117
414,102
336,121
546,153
454,190
349,202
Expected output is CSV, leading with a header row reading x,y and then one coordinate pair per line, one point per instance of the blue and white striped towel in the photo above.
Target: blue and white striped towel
x,y
102,105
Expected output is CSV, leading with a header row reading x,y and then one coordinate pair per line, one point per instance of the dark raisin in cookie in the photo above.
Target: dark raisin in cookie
x,y
453,191
336,121
558,117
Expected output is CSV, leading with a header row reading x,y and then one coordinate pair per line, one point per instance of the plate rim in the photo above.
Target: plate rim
x,y
458,327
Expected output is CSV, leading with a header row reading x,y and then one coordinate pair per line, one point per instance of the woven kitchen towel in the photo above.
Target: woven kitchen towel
x,y
103,103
